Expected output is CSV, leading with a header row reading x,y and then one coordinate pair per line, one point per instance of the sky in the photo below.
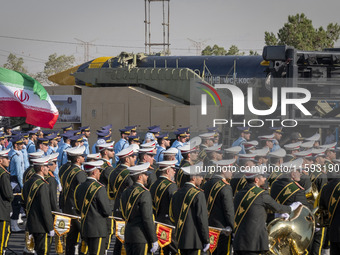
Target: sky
x,y
35,29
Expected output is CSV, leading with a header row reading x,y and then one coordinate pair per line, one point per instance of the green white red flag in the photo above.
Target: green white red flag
x,y
23,96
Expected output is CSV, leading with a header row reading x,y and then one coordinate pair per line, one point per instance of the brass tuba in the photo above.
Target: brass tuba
x,y
312,193
293,236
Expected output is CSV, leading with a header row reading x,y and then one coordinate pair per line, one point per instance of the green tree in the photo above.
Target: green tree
x,y
253,53
234,50
300,33
215,50
14,63
55,64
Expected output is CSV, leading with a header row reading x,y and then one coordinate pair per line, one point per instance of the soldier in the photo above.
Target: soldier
x,y
92,203
251,203
42,145
238,181
50,178
275,161
70,179
286,189
62,159
219,196
291,149
146,154
107,153
86,132
118,181
38,207
16,168
277,131
329,198
30,171
101,135
2,141
214,153
190,155
244,136
32,140
6,197
188,211
140,228
207,140
123,142
164,144
181,137
161,192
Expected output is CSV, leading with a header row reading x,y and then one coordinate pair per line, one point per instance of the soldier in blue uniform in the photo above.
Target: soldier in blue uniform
x,y
123,142
16,168
181,139
32,140
277,131
24,150
163,144
62,158
86,132
42,145
244,137
101,134
2,141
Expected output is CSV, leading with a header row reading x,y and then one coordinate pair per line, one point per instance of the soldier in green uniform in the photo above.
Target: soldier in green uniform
x,y
238,181
214,153
188,211
118,181
286,189
6,197
136,207
207,141
162,191
251,203
190,155
29,172
329,198
92,203
219,196
70,179
107,153
50,178
38,207
147,154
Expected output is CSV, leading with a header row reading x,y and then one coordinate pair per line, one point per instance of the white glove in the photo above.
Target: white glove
x,y
60,188
284,216
228,230
295,205
51,233
154,247
206,247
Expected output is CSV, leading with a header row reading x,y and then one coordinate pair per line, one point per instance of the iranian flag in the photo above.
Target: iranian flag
x,y
23,96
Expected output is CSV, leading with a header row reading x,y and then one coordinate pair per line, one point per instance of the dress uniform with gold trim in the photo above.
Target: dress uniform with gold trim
x,y
93,205
38,207
188,211
6,197
136,207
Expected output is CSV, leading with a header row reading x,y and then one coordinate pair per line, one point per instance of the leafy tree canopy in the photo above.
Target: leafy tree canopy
x,y
14,63
55,64
300,33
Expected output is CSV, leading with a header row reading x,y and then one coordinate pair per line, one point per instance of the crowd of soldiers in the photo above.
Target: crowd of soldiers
x,y
189,186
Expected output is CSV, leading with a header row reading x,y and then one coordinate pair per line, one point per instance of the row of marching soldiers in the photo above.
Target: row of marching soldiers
x,y
189,219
